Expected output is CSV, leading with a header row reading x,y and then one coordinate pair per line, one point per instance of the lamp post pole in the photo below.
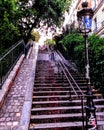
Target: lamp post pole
x,y
91,122
84,18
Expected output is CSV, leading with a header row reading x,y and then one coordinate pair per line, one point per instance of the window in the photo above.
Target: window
x,y
94,4
95,24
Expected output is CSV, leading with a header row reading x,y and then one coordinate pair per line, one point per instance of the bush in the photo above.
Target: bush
x,y
73,45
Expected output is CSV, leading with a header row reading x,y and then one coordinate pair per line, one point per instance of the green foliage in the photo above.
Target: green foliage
x,y
72,39
9,33
35,36
71,42
19,17
50,41
96,51
74,47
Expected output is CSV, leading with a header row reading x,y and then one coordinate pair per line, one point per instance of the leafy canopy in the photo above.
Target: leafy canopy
x,y
19,17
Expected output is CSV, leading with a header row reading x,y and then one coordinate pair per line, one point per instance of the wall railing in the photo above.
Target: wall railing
x,y
9,59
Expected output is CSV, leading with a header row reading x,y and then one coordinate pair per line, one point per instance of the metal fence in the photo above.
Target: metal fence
x,y
9,59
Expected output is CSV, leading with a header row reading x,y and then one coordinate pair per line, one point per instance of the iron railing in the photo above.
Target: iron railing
x,y
9,59
73,85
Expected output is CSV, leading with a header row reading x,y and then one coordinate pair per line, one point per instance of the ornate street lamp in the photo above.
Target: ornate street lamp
x,y
85,21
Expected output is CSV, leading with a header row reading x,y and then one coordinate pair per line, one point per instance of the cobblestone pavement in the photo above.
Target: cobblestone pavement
x,y
11,111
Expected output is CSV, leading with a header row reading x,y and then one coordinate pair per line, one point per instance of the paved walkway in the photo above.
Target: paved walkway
x,y
12,110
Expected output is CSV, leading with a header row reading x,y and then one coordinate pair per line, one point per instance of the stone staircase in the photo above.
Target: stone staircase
x,y
52,108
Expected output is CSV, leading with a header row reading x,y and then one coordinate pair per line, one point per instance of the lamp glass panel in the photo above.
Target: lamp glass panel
x,y
87,22
81,23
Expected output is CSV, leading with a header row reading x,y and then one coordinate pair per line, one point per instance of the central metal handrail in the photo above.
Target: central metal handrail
x,y
63,66
63,69
71,81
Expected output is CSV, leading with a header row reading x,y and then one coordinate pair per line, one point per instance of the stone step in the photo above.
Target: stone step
x,y
55,118
55,102
52,104
48,80
55,75
43,70
50,83
62,117
39,93
96,101
55,83
78,74
64,109
43,67
51,101
58,79
58,75
47,109
97,96
57,91
50,110
67,96
44,98
47,84
54,87
63,126
63,96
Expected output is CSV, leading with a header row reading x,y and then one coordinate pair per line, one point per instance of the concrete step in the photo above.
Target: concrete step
x,y
67,96
59,103
54,87
52,105
50,110
57,92
63,126
58,79
64,109
51,118
56,117
39,84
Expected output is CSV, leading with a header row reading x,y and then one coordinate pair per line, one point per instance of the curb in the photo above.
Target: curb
x,y
28,55
26,110
9,81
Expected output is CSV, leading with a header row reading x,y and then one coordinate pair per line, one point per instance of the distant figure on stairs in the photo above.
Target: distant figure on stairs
x,y
51,47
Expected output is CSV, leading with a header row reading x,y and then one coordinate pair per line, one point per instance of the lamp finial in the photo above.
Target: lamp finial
x,y
85,4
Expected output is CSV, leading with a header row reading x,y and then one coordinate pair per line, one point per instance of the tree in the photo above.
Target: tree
x,y
35,36
48,12
19,17
9,32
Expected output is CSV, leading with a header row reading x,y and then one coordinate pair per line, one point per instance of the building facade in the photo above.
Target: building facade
x,y
98,18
